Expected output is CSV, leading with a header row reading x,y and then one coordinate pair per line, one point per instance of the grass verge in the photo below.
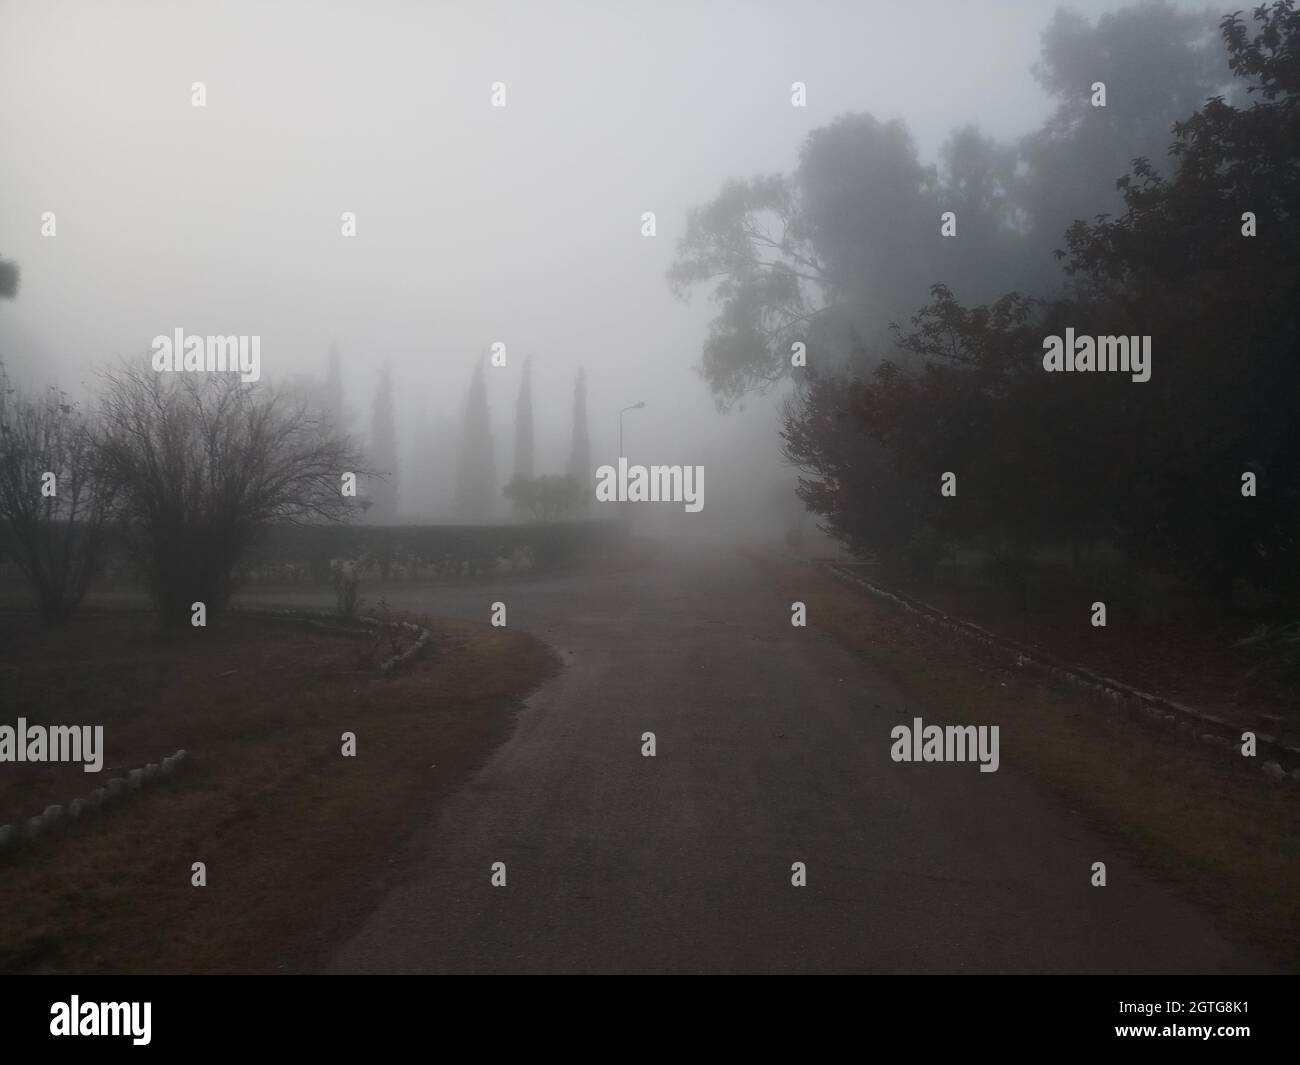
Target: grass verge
x,y
299,842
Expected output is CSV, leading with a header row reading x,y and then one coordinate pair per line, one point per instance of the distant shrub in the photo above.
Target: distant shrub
x,y
546,498
346,578
1276,651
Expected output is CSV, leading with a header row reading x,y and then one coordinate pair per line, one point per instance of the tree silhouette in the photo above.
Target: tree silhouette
x,y
383,451
477,488
200,464
524,423
334,389
580,468
10,279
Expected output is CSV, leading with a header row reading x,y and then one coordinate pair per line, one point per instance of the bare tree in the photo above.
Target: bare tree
x,y
203,463
54,506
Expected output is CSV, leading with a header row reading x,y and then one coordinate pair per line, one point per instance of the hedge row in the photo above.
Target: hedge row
x,y
298,552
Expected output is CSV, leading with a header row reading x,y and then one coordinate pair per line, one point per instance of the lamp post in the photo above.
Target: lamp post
x,y
635,406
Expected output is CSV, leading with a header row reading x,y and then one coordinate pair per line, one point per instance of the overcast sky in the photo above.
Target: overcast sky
x,y
475,223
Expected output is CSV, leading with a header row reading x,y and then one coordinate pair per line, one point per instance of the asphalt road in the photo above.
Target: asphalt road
x,y
772,747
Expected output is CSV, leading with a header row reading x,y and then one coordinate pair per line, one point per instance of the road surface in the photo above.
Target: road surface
x,y
772,748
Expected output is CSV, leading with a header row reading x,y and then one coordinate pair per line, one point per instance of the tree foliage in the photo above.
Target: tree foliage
x,y
832,254
1155,468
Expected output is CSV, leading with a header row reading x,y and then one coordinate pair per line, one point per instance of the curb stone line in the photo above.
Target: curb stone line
x,y
56,817
321,620
1184,717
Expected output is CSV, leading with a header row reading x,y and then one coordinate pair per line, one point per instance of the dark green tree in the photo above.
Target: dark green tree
x,y
1223,309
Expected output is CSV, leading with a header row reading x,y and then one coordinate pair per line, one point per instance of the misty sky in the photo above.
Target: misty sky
x,y
475,224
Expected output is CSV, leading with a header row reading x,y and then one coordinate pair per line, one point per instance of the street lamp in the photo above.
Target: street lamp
x,y
635,406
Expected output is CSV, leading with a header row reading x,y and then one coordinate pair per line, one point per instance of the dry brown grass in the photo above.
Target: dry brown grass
x,y
1193,815
299,842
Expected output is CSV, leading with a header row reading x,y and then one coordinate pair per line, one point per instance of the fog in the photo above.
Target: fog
x,y
474,224
653,486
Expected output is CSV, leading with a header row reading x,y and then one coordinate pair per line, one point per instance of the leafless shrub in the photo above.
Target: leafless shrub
x,y
54,505
202,463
